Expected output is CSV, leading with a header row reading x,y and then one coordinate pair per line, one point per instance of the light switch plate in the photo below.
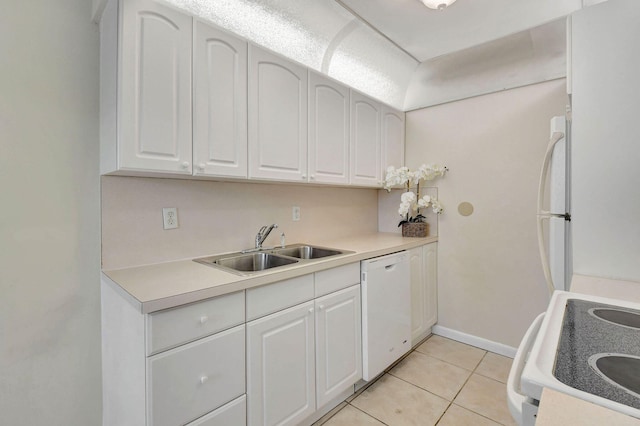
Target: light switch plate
x,y
295,213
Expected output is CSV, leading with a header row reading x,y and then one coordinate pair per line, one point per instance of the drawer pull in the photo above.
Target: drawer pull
x,y
203,379
204,319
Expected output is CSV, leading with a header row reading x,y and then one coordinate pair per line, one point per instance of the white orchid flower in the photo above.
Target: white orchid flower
x,y
408,197
424,201
409,200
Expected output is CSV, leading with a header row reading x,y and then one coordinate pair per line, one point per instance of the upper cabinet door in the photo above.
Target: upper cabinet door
x,y
392,138
365,141
277,117
328,130
155,88
220,103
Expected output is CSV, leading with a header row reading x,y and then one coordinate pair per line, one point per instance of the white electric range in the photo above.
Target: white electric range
x,y
585,346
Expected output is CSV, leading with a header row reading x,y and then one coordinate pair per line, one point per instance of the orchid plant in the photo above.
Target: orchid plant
x,y
411,202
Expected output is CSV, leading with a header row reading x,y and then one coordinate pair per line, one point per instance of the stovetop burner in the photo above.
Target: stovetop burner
x,y
599,351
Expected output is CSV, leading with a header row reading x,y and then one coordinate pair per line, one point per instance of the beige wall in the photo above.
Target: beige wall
x,y
218,217
490,282
49,222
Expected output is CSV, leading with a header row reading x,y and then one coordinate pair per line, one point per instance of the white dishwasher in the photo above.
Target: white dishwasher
x,y
386,312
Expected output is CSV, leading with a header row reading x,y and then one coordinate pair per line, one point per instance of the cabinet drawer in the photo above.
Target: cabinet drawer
x,y
271,298
337,278
191,380
173,327
231,414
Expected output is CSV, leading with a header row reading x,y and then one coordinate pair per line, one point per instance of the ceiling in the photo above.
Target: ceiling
x,y
426,33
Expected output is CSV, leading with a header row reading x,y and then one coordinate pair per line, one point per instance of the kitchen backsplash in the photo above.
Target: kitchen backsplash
x,y
217,217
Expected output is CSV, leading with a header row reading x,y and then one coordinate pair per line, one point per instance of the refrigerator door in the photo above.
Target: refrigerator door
x,y
606,131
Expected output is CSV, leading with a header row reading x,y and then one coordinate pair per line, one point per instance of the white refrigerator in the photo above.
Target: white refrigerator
x,y
605,140
602,164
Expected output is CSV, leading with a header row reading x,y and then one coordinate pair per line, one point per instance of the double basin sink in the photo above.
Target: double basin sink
x,y
249,263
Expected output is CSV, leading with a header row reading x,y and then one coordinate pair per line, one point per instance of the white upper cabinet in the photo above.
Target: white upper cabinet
x,y
328,130
219,103
392,138
277,117
365,155
154,78
180,96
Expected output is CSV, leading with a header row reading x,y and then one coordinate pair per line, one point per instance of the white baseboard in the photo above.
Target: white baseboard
x,y
478,342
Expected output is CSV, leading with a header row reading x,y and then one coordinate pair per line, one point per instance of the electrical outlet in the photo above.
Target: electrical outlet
x,y
295,213
170,217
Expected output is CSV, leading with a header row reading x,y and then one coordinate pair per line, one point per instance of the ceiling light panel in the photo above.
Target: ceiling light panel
x,y
300,30
370,63
320,34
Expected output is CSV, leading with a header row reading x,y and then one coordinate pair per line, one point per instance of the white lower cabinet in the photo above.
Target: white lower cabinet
x,y
280,367
189,381
231,414
338,343
171,367
424,290
296,350
303,357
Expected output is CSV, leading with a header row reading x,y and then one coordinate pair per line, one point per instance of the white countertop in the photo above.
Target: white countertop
x,y
165,285
604,287
560,409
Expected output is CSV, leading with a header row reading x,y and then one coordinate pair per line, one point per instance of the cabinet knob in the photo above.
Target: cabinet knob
x,y
310,310
304,177
203,379
321,307
313,177
201,167
185,165
204,319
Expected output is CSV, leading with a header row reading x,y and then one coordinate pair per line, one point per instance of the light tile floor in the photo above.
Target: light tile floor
x,y
442,382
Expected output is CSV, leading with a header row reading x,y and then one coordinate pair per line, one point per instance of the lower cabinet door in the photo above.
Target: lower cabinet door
x,y
419,296
189,381
338,343
430,262
281,367
231,414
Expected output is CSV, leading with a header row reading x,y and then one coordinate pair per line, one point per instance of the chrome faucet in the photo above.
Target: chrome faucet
x,y
262,235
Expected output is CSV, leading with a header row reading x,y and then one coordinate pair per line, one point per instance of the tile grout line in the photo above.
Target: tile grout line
x,y
368,414
450,403
482,375
460,390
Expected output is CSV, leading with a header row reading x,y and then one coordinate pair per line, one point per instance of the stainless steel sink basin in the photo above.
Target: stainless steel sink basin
x,y
247,263
302,251
262,260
